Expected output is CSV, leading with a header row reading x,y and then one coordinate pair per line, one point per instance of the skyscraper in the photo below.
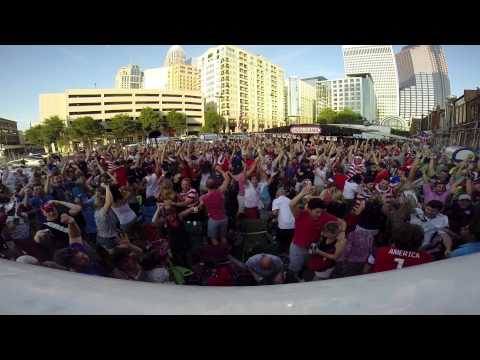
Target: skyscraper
x,y
301,98
129,77
175,55
176,74
423,80
248,89
379,62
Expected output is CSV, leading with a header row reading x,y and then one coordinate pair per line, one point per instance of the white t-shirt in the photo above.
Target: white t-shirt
x,y
351,188
153,185
252,197
430,226
320,176
285,216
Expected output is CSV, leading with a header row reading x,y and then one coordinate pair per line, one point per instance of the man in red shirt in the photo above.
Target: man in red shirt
x,y
407,239
308,227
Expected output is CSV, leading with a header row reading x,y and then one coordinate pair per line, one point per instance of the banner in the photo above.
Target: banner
x,y
305,130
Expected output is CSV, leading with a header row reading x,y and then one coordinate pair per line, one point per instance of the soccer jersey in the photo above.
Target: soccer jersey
x,y
389,258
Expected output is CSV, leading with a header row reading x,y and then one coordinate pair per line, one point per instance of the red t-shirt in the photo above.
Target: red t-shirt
x,y
307,229
381,175
249,163
225,165
389,258
340,180
121,176
187,172
215,204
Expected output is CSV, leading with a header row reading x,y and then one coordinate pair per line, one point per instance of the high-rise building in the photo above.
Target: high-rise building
x,y
301,100
379,62
353,92
247,88
314,80
423,80
183,77
129,77
175,56
176,74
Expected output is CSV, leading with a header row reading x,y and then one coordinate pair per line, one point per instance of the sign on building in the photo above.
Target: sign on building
x,y
305,130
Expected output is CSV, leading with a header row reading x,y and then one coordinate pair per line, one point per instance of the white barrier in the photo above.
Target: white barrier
x,y
445,287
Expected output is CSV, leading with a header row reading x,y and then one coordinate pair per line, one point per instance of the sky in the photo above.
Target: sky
x,y
29,70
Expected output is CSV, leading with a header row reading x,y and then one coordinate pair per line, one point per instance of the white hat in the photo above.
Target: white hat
x,y
465,197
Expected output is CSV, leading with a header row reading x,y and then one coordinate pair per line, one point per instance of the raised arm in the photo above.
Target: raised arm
x,y
308,189
226,180
74,232
250,171
74,209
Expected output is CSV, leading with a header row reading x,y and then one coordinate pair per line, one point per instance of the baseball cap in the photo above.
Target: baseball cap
x,y
465,197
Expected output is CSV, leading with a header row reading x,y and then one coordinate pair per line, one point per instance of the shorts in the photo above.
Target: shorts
x,y
107,243
297,257
241,203
217,228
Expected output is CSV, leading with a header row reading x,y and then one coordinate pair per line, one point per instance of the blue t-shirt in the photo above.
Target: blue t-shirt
x,y
465,249
88,213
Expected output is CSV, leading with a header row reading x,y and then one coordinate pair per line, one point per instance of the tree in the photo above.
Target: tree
x,y
122,125
327,116
210,106
86,129
36,135
53,129
150,120
214,122
348,116
177,121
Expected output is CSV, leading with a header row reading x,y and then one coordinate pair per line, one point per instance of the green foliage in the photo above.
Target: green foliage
x,y
400,132
35,135
177,121
150,120
327,116
210,106
121,125
214,122
53,128
346,116
85,128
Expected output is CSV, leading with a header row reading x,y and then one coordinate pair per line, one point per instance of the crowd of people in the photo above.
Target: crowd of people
x,y
269,209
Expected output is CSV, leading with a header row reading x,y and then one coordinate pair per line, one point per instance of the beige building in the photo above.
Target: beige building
x,y
103,104
183,77
176,74
129,77
301,98
247,88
